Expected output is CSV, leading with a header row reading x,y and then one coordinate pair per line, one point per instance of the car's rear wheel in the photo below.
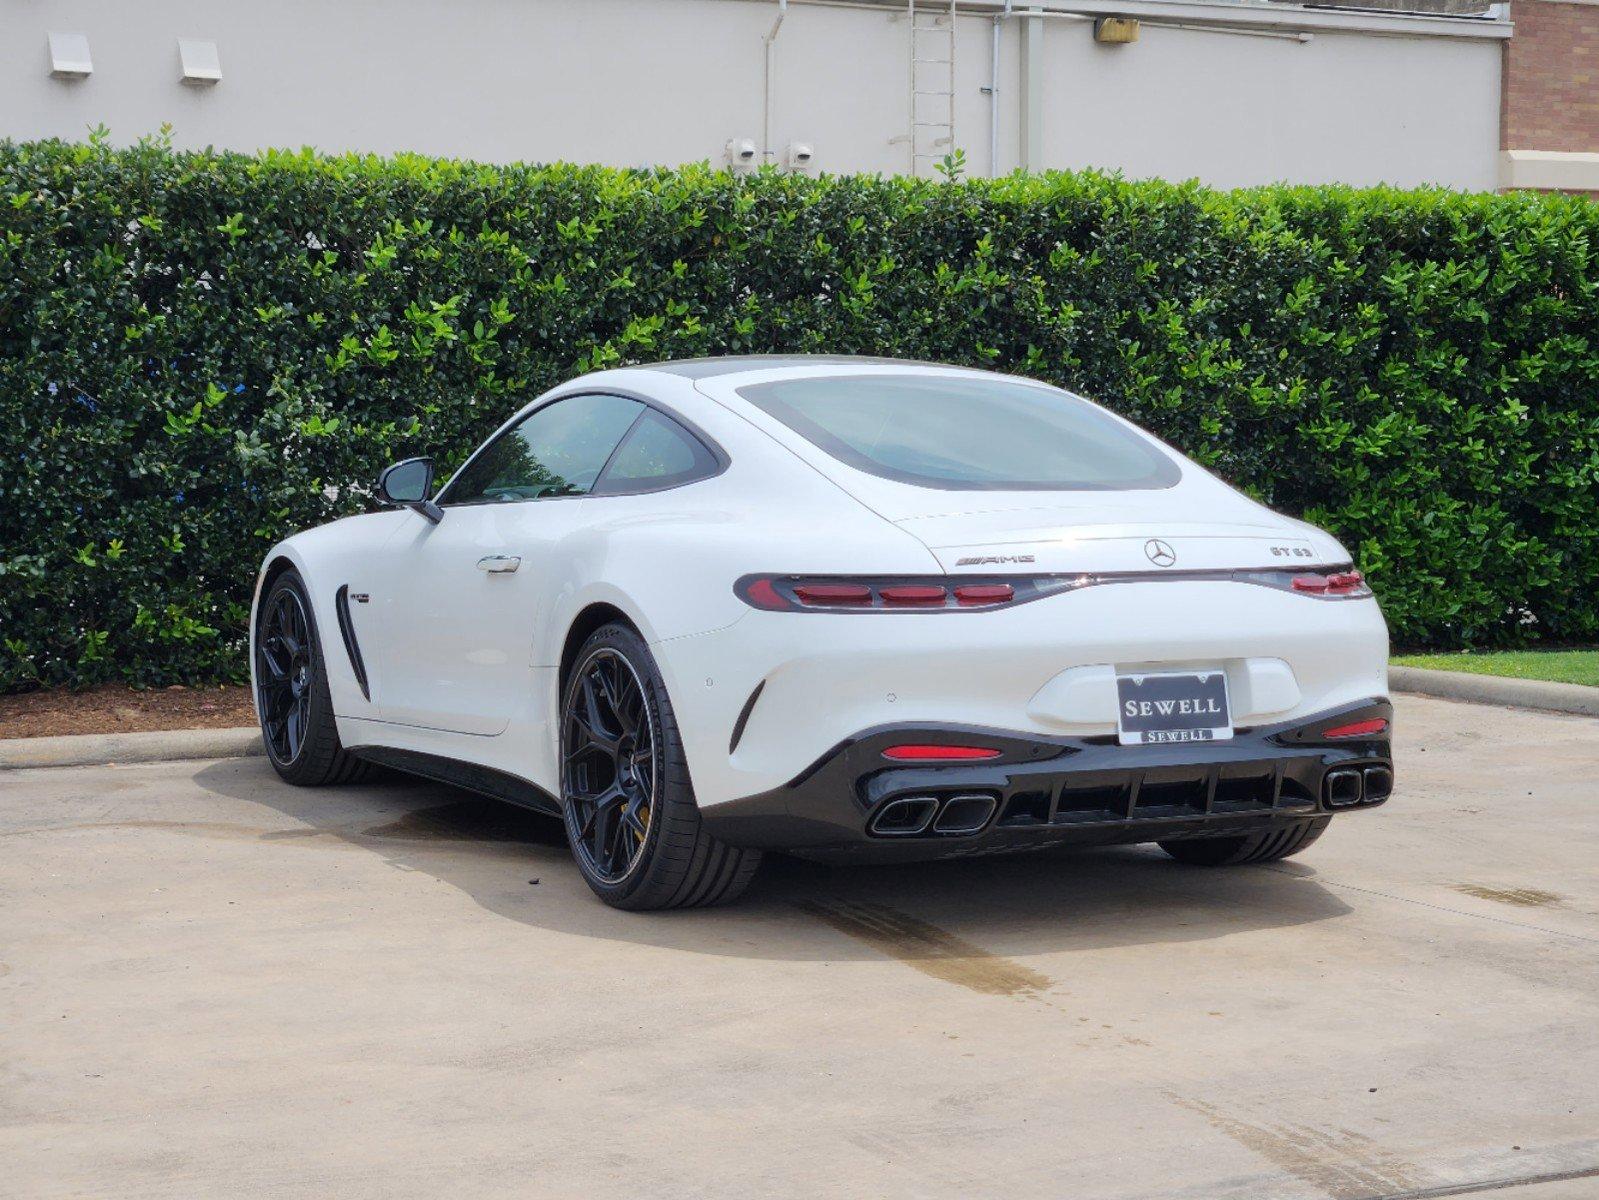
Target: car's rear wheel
x,y
1249,848
291,691
629,805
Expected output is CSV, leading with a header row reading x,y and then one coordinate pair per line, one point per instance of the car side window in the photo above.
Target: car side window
x,y
557,450
656,454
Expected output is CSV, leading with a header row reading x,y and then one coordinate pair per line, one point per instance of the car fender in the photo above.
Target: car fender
x,y
316,554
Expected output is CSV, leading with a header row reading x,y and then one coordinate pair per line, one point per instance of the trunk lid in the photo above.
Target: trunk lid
x,y
1068,539
1199,524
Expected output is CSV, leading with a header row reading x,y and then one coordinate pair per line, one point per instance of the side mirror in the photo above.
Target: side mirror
x,y
409,484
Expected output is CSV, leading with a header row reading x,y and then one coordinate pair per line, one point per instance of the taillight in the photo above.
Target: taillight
x,y
1356,729
937,753
944,593
800,593
970,595
1336,583
827,595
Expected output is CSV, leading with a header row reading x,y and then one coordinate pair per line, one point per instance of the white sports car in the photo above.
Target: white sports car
x,y
855,609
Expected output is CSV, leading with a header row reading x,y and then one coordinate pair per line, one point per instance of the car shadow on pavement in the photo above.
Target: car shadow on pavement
x,y
515,863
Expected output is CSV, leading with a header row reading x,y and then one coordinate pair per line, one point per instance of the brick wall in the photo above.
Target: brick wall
x,y
1550,99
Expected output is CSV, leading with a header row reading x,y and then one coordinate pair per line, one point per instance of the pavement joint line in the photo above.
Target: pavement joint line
x,y
1489,1185
1444,908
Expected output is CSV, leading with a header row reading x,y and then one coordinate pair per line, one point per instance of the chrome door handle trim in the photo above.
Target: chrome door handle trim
x,y
498,564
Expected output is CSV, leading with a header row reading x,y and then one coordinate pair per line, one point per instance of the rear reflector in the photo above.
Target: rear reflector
x,y
1357,729
931,753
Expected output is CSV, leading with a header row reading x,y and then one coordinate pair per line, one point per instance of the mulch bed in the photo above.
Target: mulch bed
x,y
116,708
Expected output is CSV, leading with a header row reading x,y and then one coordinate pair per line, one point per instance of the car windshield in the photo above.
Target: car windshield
x,y
961,433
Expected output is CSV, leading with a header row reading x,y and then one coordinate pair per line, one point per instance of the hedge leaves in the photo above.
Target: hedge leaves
x,y
201,353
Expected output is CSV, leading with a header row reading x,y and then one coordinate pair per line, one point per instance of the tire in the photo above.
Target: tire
x,y
291,691
1250,848
631,817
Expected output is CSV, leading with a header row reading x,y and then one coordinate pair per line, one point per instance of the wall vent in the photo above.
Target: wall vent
x,y
201,65
69,56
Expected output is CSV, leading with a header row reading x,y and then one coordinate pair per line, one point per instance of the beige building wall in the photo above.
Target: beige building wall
x,y
1233,94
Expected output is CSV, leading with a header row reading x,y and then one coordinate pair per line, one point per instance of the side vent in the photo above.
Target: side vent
x,y
744,716
351,646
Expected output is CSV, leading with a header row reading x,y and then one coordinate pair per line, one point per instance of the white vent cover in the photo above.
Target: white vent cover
x,y
69,56
201,66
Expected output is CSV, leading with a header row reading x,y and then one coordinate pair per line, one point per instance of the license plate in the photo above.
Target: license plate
x,y
1160,708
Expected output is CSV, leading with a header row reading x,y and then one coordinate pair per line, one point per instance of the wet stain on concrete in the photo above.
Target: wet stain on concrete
x,y
929,949
467,821
1520,897
1343,1164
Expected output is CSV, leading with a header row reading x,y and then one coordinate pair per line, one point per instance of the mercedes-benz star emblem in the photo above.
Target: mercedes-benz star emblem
x,y
1160,553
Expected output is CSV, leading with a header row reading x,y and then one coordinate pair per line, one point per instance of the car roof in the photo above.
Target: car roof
x,y
744,364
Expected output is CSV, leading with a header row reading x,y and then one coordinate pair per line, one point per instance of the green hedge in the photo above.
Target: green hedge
x,y
200,353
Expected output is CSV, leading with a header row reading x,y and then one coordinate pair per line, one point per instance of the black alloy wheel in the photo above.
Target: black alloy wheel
x,y
631,815
610,772
291,690
283,671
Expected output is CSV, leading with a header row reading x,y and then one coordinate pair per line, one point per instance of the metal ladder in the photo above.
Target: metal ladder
x,y
932,84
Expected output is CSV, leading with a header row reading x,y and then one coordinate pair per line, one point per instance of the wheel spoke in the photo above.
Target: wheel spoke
x,y
630,712
621,695
600,827
277,667
635,816
589,717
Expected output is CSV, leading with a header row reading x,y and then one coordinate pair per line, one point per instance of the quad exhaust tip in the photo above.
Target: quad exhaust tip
x,y
905,817
1343,788
1379,783
965,814
909,816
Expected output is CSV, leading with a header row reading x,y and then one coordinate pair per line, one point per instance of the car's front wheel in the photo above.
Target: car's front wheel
x,y
629,805
291,691
1248,848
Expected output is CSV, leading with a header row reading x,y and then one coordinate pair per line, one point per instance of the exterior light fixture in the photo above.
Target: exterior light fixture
x,y
1116,31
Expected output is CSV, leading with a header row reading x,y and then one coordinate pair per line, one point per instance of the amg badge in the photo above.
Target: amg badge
x,y
984,560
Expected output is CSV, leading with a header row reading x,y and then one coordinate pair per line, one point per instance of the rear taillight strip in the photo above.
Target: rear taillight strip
x,y
968,593
801,593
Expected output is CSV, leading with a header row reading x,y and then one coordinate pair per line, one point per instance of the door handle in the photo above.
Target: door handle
x,y
499,564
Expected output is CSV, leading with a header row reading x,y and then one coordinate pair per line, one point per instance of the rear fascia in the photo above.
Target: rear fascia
x,y
1052,791
825,676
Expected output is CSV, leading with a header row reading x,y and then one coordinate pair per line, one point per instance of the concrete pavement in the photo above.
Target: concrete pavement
x,y
212,984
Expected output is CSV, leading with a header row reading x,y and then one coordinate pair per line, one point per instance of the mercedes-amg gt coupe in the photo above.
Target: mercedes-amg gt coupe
x,y
855,609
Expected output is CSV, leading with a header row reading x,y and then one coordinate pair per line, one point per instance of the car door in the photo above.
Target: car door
x,y
462,598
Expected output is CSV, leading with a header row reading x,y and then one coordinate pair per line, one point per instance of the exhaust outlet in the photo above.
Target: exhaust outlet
x,y
965,814
1379,783
905,817
1342,788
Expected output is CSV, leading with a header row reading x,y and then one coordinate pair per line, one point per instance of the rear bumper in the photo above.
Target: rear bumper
x,y
854,805
824,677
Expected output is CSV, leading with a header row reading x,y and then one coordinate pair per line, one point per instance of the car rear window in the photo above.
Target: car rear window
x,y
964,434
